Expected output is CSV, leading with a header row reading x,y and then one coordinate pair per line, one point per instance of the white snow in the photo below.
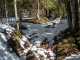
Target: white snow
x,y
11,20
4,53
73,57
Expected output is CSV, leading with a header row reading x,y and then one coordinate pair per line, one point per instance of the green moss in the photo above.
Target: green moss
x,y
78,42
60,51
15,37
65,41
73,45
77,34
70,38
78,38
19,34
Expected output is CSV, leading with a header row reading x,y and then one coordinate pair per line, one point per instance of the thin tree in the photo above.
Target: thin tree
x,y
79,12
1,11
38,11
6,11
16,17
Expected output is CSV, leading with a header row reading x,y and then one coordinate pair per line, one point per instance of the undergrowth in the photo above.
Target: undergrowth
x,y
67,45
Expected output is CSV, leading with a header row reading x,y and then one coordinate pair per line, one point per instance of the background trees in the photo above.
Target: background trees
x,y
1,10
48,5
73,15
47,8
44,8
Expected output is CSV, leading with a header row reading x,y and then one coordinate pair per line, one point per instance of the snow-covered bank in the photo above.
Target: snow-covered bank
x,y
73,57
36,33
11,20
4,53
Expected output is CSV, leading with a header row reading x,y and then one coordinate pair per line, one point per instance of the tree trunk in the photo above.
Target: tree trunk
x,y
73,15
69,16
38,11
79,12
0,12
6,11
47,12
16,17
20,18
76,16
75,20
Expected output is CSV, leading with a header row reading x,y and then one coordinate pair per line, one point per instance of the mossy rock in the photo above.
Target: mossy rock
x,y
78,38
15,37
19,34
70,38
77,34
74,45
79,42
60,51
64,41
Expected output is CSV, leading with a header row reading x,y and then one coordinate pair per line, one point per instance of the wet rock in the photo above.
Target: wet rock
x,y
44,45
30,55
27,44
15,45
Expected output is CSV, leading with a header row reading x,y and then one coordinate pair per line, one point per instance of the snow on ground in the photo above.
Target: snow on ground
x,y
36,33
73,57
11,20
4,53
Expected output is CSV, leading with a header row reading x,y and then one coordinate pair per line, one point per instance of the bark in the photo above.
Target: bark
x,y
2,9
63,14
50,11
76,16
75,20
1,12
69,16
6,11
79,12
38,11
47,12
73,15
20,19
16,17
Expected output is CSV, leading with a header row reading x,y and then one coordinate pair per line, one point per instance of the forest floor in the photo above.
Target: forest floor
x,y
48,41
67,46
